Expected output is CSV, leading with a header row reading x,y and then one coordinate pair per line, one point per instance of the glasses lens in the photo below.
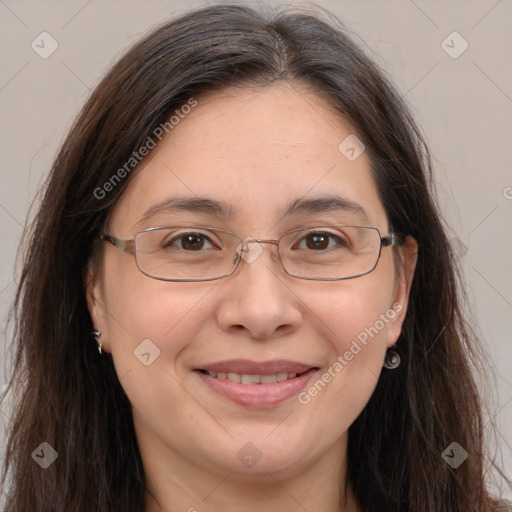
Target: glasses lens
x,y
191,253
185,253
331,252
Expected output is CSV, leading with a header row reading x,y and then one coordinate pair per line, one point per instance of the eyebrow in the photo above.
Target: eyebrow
x,y
326,204
188,204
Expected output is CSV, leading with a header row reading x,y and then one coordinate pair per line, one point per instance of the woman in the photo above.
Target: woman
x,y
238,293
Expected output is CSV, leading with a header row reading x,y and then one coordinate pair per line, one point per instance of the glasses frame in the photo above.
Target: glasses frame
x,y
129,247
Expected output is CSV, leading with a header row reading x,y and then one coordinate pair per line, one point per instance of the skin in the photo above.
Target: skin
x,y
257,150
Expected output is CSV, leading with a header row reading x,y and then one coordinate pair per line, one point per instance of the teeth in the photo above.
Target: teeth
x,y
252,379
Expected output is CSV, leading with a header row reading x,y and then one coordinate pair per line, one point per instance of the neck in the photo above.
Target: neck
x,y
178,485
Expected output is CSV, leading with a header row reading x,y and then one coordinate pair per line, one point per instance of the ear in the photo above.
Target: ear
x,y
96,305
408,254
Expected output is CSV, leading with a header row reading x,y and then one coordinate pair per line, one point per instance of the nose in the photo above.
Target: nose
x,y
257,298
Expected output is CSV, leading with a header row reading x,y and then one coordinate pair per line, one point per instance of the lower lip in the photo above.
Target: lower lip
x,y
257,395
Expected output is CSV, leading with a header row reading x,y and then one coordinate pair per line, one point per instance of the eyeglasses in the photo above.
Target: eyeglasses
x,y
199,253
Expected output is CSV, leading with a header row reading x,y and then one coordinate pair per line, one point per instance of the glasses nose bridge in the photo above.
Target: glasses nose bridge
x,y
253,240
264,241
249,256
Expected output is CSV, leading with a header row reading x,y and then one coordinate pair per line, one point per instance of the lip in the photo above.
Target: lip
x,y
257,368
256,396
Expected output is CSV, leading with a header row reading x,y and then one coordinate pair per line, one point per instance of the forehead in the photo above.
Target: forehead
x,y
257,151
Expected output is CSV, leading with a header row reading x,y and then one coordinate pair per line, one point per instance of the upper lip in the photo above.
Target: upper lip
x,y
247,367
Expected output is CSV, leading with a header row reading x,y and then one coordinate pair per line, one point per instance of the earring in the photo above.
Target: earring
x,y
392,360
97,334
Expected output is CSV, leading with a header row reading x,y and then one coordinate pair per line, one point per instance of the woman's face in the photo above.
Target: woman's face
x,y
257,152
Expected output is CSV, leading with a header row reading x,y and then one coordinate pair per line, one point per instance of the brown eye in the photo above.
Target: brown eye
x,y
192,242
189,242
319,241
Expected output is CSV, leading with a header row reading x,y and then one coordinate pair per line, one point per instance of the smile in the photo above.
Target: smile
x,y
256,385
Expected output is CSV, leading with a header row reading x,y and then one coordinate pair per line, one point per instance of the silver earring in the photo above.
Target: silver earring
x,y
97,334
392,360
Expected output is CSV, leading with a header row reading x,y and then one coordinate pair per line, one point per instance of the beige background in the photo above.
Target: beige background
x,y
464,105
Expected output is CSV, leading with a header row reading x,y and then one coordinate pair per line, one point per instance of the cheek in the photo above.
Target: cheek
x,y
151,322
358,310
353,317
152,335
360,341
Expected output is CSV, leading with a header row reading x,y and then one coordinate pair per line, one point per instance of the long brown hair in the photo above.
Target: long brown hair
x,y
70,397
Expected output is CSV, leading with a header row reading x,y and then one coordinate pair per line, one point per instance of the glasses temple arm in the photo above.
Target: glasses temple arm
x,y
392,239
123,245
